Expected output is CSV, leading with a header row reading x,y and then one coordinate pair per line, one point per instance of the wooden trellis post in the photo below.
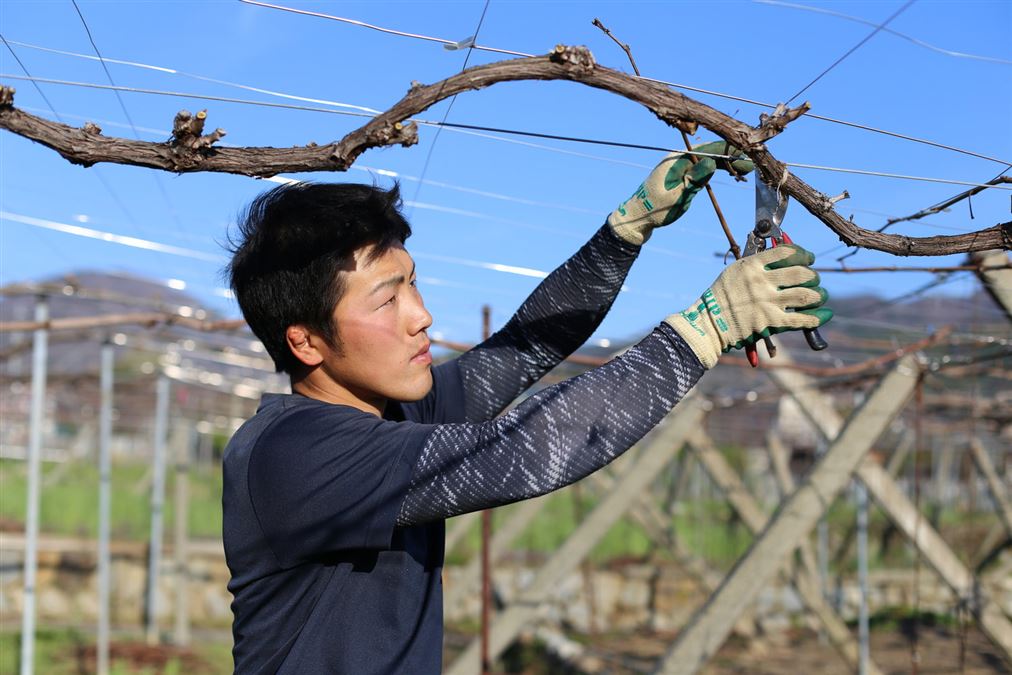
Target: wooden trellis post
x,y
459,528
994,484
652,519
998,282
805,580
793,520
505,534
628,488
902,511
780,461
893,466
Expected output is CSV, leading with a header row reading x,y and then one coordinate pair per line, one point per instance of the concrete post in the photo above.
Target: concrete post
x,y
861,497
183,441
104,504
937,553
40,343
157,506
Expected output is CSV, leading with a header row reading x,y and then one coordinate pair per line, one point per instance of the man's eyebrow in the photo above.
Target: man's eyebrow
x,y
392,281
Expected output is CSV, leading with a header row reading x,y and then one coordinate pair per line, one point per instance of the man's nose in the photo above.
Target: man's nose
x,y
422,318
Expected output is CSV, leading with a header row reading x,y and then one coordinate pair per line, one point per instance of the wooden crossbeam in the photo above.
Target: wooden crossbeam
x,y
663,447
793,520
903,512
994,483
459,527
805,579
780,460
506,532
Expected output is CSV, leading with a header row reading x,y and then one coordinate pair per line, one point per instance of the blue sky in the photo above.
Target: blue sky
x,y
490,209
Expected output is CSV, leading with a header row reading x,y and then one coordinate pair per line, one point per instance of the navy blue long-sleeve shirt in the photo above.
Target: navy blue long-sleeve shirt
x,y
333,518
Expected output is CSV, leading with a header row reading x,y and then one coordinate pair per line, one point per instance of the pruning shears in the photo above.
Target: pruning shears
x,y
770,207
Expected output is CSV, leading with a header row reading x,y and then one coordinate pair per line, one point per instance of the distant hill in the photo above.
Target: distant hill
x,y
80,295
860,317
219,376
979,308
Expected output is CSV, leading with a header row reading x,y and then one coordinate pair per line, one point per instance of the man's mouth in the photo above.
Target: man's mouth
x,y
422,355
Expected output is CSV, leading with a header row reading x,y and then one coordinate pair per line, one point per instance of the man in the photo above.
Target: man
x,y
335,496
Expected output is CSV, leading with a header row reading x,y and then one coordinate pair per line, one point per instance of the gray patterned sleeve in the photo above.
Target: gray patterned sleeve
x,y
561,313
553,438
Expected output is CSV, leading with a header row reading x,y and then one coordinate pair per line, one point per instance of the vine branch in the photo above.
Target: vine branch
x,y
732,244
192,151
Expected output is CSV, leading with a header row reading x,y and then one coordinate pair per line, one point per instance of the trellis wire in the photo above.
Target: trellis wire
x,y
650,79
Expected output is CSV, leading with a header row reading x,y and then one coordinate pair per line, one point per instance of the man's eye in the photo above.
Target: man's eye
x,y
390,301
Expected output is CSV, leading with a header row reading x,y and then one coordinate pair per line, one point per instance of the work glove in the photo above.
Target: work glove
x,y
754,297
667,192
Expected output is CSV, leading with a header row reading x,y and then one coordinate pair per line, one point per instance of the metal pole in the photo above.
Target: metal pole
x,y
861,496
486,541
39,348
157,505
104,497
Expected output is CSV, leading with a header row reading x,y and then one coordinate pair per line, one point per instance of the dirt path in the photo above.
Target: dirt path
x,y
942,650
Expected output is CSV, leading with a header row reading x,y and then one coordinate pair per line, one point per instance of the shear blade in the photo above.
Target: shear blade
x,y
769,204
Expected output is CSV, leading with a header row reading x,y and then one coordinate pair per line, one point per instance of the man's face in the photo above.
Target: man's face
x,y
381,322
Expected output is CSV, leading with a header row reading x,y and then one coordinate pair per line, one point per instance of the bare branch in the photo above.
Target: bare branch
x,y
732,244
878,361
624,46
575,64
894,268
941,206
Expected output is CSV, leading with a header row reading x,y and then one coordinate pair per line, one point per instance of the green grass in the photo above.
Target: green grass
x,y
709,529
69,501
62,652
705,528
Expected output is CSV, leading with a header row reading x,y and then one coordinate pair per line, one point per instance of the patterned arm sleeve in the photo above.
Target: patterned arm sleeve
x,y
561,313
553,438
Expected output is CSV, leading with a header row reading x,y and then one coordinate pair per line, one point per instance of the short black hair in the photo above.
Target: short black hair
x,y
292,243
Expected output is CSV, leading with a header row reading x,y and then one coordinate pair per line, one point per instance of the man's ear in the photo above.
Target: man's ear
x,y
305,345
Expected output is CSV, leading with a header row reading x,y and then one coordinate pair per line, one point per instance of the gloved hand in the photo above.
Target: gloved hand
x,y
666,193
754,295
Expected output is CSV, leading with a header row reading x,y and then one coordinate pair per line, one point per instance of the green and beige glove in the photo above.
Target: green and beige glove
x,y
767,293
667,192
